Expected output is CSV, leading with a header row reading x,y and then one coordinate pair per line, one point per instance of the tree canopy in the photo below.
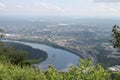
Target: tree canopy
x,y
116,37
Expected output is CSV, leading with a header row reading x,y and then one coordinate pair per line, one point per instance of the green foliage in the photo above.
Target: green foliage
x,y
116,36
17,57
12,56
53,74
115,75
84,71
87,71
1,35
33,54
13,72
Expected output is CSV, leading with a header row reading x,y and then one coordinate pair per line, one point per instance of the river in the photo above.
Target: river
x,y
58,58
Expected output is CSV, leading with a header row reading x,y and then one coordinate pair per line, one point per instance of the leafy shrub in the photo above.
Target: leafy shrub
x,y
116,76
84,71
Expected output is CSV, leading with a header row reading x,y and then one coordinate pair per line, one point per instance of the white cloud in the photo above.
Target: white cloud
x,y
2,5
105,10
111,1
19,6
96,10
52,7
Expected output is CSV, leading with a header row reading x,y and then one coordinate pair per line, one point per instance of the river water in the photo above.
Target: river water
x,y
58,58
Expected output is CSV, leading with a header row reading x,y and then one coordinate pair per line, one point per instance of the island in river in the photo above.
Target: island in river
x,y
33,53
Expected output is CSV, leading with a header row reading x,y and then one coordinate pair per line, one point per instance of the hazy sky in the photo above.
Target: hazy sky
x,y
81,8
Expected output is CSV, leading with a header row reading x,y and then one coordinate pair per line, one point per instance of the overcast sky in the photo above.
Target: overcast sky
x,y
81,8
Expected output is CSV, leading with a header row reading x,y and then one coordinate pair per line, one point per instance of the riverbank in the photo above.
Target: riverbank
x,y
59,58
46,42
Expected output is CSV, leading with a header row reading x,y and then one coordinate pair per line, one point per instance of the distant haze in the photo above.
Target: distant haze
x,y
73,8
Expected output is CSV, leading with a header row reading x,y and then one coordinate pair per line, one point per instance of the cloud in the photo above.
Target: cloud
x,y
52,7
96,10
107,1
2,5
19,6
